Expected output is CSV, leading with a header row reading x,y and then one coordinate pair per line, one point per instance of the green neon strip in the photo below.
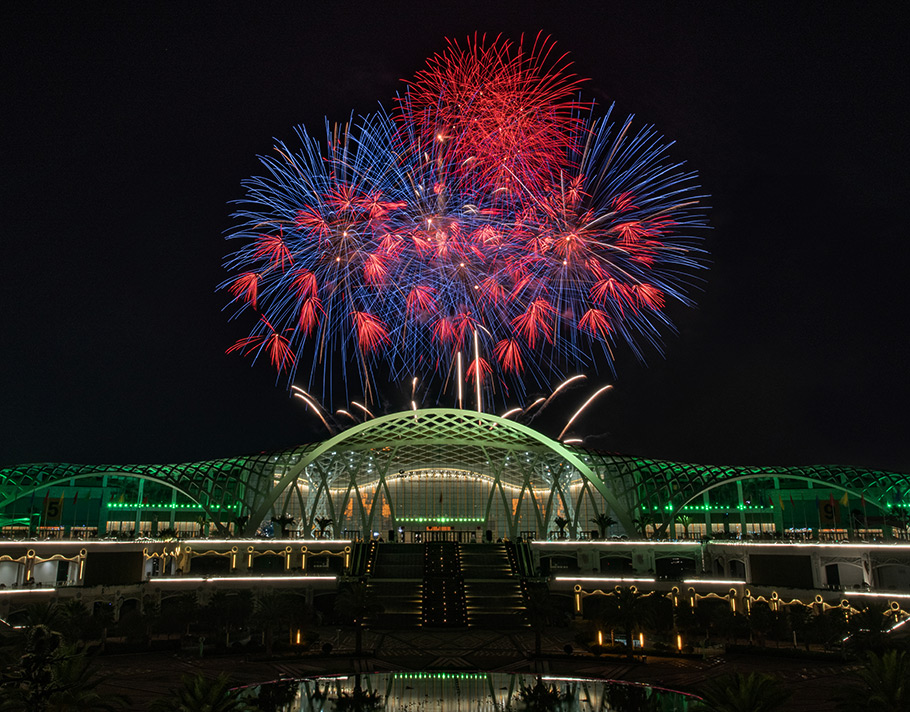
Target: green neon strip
x,y
437,520
164,505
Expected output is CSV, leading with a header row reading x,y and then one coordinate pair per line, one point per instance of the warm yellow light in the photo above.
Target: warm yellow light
x,y
679,642
641,640
600,637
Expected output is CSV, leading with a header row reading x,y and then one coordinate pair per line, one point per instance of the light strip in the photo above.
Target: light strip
x,y
270,542
873,594
593,579
816,545
221,579
621,543
28,590
734,582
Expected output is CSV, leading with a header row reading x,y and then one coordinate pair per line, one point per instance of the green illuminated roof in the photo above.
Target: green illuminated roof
x,y
477,443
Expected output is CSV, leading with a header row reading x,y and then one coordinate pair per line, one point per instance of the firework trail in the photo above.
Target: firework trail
x,y
491,212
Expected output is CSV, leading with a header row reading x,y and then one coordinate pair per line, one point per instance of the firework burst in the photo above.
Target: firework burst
x,y
490,214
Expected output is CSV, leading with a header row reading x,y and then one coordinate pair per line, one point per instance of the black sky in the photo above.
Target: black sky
x,y
127,128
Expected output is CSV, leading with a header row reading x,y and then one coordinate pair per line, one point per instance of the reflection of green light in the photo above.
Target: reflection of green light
x,y
440,675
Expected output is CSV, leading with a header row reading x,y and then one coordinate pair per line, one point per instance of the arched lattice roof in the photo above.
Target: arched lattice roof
x,y
672,485
410,440
217,485
444,437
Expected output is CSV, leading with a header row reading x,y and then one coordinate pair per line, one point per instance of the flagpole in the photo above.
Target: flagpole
x,y
818,511
865,517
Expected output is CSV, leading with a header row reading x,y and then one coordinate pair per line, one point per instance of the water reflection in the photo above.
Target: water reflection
x,y
478,692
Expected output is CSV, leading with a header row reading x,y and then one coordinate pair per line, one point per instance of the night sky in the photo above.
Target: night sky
x,y
128,127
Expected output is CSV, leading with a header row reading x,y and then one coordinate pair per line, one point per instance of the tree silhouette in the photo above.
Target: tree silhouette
x,y
603,521
685,522
628,608
202,694
323,524
544,698
230,612
642,522
51,675
540,612
285,521
626,697
354,605
273,610
882,684
869,628
742,693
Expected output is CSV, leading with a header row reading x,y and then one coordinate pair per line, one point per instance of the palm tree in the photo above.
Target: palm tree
x,y
52,677
323,524
272,610
870,626
561,523
603,521
761,621
686,522
354,604
629,697
829,628
544,698
230,611
539,612
285,521
800,621
359,700
74,620
75,684
642,522
882,683
754,692
240,523
201,694
628,608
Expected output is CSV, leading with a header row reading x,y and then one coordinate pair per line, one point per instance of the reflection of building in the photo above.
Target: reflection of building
x,y
456,475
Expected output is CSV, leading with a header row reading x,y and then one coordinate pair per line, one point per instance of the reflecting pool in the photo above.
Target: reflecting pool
x,y
468,692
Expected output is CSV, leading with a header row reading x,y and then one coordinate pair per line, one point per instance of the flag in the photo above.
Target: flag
x,y
862,499
781,503
75,496
791,501
52,510
845,500
770,501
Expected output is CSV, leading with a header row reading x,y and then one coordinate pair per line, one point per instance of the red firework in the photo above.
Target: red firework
x,y
503,113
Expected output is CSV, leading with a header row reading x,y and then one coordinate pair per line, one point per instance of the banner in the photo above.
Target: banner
x,y
53,509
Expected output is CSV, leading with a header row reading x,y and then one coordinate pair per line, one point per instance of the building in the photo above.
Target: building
x,y
450,475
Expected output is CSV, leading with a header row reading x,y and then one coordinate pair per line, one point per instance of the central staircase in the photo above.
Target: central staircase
x,y
492,587
445,585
